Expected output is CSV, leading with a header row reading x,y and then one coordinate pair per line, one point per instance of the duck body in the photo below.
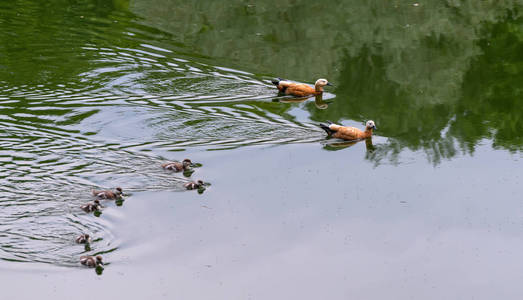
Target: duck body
x,y
110,195
83,239
91,261
91,206
177,166
300,89
193,185
349,133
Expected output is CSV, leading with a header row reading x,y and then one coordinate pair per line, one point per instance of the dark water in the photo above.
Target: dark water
x,y
97,94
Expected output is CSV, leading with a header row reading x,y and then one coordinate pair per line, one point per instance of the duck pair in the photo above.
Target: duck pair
x,y
185,165
302,90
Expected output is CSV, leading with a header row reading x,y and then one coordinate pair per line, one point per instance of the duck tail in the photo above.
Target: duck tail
x,y
327,128
276,81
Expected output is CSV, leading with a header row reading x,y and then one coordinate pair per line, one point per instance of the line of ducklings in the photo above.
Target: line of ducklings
x,y
95,206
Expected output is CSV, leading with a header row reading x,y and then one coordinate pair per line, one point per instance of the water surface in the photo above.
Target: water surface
x,y
98,95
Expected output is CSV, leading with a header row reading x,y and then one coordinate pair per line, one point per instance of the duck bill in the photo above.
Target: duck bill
x,y
330,84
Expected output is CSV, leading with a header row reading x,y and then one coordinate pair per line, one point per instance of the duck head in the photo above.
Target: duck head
x,y
186,163
99,260
119,191
322,82
370,125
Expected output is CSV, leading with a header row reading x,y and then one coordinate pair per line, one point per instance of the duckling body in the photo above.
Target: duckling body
x,y
91,206
177,166
83,239
193,185
349,133
110,195
300,89
91,261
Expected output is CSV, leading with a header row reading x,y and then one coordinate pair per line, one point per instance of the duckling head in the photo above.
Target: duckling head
x,y
370,125
187,163
322,82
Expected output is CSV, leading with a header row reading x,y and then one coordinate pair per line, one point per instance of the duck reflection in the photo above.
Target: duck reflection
x,y
341,144
318,100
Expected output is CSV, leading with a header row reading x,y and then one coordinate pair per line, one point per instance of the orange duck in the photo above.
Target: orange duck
x,y
349,133
300,89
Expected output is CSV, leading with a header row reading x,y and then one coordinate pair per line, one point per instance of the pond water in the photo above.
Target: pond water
x,y
97,94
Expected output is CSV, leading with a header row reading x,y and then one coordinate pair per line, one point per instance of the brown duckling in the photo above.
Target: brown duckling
x,y
349,133
177,166
83,239
193,185
107,194
300,89
91,206
91,261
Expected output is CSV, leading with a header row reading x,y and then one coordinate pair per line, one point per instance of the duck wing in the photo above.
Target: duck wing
x,y
300,90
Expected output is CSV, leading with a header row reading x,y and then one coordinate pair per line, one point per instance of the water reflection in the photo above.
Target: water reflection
x,y
318,100
420,71
337,144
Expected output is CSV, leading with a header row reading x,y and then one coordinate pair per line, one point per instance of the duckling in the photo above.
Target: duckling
x,y
91,261
193,185
349,133
110,195
300,89
91,206
83,239
177,166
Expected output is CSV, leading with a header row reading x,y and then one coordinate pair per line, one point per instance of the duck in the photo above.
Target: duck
x,y
91,261
91,206
349,133
83,239
193,185
107,194
300,89
177,166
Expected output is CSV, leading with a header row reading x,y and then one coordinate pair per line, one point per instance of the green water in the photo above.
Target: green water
x,y
97,94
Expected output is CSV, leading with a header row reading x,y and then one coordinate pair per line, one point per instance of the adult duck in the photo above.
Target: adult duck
x,y
300,89
349,133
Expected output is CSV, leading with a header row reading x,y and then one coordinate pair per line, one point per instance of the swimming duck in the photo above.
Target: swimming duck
x,y
83,239
177,166
193,185
349,133
108,194
91,206
300,89
91,261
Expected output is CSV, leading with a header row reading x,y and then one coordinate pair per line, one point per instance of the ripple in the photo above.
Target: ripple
x,y
102,123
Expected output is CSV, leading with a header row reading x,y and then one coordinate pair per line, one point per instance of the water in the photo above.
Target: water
x,y
98,95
